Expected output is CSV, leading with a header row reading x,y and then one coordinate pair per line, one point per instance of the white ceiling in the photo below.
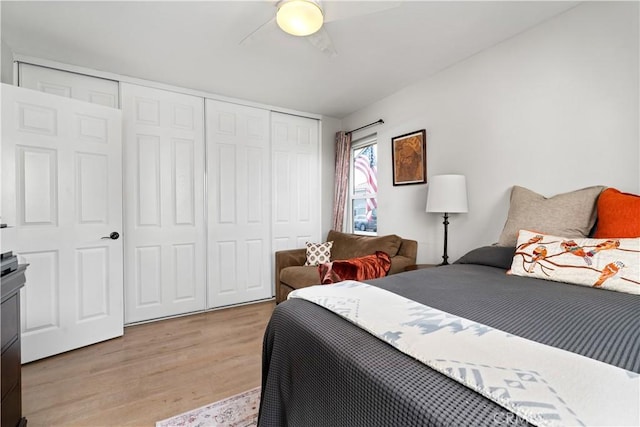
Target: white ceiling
x,y
197,44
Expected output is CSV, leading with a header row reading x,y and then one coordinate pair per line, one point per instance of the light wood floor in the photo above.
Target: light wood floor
x,y
157,370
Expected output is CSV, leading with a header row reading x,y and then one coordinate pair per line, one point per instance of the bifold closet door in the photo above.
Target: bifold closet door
x,y
238,175
296,181
165,237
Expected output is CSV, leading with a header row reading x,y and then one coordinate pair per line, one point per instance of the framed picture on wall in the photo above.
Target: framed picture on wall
x,y
409,157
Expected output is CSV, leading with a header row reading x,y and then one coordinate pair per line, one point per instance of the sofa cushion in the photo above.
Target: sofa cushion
x,y
347,246
300,276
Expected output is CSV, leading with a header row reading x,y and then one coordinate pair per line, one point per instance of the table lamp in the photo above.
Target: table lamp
x,y
447,194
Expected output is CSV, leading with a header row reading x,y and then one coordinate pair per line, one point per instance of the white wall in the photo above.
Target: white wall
x,y
553,109
6,64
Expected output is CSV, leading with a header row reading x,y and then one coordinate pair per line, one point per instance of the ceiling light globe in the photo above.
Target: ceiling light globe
x,y
299,17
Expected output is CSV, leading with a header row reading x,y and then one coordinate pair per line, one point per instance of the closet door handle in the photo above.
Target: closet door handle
x,y
113,236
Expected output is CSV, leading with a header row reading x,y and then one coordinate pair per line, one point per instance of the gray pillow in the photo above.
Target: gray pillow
x,y
493,256
568,215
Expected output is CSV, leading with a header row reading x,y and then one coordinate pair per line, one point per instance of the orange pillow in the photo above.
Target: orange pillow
x,y
618,214
362,268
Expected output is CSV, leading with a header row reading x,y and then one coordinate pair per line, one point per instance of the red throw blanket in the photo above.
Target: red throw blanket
x,y
363,268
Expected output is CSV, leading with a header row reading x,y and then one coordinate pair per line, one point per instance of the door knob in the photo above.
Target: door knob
x,y
113,236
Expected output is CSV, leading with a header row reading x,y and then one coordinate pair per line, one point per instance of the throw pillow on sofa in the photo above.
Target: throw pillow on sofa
x,y
318,253
361,268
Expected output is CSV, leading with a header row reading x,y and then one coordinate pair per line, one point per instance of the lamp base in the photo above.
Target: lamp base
x,y
445,257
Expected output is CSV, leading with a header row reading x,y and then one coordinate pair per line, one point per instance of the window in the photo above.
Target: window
x,y
363,186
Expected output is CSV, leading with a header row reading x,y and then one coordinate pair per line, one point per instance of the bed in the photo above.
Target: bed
x,y
321,370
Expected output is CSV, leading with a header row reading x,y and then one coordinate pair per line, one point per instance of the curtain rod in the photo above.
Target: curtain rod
x,y
366,126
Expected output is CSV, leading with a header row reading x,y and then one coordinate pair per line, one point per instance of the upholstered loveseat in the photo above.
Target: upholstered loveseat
x,y
291,273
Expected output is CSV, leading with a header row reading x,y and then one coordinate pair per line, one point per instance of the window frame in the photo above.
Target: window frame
x,y
359,144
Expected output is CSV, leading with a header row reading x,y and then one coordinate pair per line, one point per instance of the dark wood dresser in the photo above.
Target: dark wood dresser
x,y
11,363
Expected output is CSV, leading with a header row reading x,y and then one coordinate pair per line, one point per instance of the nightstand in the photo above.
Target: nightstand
x,y
419,266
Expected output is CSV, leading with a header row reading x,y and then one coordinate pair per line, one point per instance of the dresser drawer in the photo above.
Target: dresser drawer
x,y
11,408
10,367
10,320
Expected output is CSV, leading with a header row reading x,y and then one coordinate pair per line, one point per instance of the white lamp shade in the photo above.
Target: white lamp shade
x,y
299,17
447,193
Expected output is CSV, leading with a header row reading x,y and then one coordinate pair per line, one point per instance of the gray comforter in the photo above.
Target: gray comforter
x,y
321,370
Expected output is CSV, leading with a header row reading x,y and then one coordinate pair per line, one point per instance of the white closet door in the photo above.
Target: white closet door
x,y
238,171
61,193
165,249
296,181
71,85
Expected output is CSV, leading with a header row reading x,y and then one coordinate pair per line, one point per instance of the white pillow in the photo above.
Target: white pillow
x,y
318,253
612,264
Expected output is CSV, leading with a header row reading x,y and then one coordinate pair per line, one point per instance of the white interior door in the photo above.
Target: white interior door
x,y
70,85
296,181
61,193
165,253
238,171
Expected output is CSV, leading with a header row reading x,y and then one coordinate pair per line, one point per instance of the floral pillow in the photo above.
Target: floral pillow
x,y
318,253
612,264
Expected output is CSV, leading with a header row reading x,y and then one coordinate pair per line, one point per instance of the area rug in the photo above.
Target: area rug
x,y
240,410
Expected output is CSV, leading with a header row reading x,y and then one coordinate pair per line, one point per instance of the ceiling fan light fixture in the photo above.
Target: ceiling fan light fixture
x,y
299,17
